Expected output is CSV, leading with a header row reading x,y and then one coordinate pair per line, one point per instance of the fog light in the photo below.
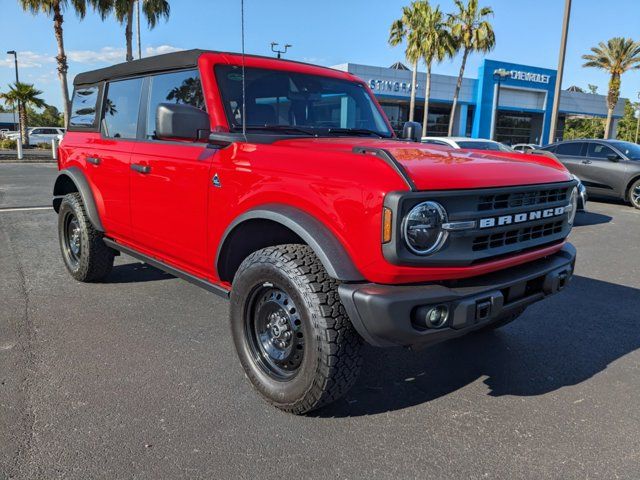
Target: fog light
x,y
433,316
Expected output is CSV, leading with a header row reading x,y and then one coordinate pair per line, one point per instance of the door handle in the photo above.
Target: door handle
x,y
141,168
587,162
94,160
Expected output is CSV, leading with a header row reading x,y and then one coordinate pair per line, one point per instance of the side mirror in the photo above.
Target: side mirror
x,y
613,157
179,121
412,131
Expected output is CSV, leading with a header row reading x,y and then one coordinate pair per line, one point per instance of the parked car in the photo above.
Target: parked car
x,y
525,147
281,186
41,134
609,168
467,143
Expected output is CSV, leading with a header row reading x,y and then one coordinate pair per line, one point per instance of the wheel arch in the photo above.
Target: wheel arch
x,y
72,180
271,225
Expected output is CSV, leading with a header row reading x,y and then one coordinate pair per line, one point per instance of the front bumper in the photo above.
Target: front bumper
x,y
386,315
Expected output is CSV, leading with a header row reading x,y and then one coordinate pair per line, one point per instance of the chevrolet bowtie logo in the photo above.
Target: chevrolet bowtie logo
x,y
521,217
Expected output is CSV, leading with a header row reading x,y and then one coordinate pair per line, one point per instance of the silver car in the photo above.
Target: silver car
x,y
609,168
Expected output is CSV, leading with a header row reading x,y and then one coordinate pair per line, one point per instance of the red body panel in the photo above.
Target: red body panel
x,y
176,215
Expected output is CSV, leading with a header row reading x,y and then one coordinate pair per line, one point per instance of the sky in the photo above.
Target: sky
x,y
327,33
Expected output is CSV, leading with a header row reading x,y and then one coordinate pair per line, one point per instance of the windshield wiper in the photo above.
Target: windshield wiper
x,y
282,128
355,131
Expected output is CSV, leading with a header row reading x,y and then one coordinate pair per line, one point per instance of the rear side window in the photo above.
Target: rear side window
x,y
597,150
572,149
121,108
177,87
84,107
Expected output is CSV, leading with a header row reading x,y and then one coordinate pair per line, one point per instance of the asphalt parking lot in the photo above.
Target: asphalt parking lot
x,y
137,377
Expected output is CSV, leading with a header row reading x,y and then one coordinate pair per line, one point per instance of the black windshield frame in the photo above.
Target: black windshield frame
x,y
325,106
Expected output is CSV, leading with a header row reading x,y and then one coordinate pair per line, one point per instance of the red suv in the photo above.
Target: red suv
x,y
282,186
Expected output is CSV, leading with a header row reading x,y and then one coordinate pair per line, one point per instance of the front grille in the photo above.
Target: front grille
x,y
522,199
515,236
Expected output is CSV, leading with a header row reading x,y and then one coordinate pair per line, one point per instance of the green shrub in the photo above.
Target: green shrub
x,y
43,145
8,144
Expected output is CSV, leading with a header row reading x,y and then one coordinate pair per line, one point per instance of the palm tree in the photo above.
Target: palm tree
x,y
153,11
24,95
54,9
437,44
472,32
408,28
616,56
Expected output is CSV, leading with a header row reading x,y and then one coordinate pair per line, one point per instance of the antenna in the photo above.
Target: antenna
x,y
244,103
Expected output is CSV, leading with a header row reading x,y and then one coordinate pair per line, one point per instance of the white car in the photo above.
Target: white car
x,y
41,134
467,143
525,147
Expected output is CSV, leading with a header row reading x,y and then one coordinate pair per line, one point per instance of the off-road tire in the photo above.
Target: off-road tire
x,y
502,322
331,353
634,191
95,260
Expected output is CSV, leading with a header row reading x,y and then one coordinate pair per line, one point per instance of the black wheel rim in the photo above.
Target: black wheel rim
x,y
635,196
72,240
274,332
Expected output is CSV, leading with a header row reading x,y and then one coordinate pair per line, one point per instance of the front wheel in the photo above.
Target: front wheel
x,y
634,194
294,339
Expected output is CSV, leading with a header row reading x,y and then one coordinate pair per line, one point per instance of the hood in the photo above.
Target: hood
x,y
443,168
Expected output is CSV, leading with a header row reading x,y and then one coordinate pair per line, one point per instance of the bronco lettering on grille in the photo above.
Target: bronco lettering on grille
x,y
521,217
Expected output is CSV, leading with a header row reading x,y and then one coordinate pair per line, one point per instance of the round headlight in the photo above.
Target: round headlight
x,y
572,208
422,228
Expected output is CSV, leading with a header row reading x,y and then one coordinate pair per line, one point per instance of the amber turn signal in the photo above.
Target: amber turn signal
x,y
387,217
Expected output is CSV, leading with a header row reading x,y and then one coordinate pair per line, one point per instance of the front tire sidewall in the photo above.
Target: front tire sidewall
x,y
283,393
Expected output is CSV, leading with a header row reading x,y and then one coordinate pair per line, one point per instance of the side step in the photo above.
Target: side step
x,y
223,292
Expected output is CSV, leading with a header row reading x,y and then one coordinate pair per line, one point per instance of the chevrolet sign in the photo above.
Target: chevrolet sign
x,y
521,217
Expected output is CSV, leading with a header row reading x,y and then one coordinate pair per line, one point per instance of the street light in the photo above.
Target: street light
x,y
279,52
15,60
558,89
499,75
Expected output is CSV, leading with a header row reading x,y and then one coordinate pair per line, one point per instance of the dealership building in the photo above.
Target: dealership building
x,y
515,106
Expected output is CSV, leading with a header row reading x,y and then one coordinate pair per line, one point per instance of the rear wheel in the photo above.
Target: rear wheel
x,y
294,339
85,255
634,194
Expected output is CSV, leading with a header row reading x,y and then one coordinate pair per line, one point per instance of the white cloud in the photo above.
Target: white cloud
x,y
28,59
114,54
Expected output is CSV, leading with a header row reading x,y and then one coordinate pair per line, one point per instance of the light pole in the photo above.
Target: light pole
x,y
499,75
558,89
279,52
637,115
15,60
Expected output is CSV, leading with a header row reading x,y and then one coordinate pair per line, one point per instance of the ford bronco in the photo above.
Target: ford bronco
x,y
281,186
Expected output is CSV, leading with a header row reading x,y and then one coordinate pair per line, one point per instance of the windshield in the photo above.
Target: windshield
x,y
493,146
630,150
298,103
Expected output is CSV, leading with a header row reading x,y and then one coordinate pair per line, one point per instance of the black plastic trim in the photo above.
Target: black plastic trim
x,y
223,292
81,183
390,160
329,250
382,313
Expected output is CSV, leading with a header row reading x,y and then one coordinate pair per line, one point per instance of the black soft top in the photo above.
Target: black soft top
x,y
157,63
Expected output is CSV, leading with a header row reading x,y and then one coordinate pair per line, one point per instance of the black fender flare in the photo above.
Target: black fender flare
x,y
75,175
325,245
